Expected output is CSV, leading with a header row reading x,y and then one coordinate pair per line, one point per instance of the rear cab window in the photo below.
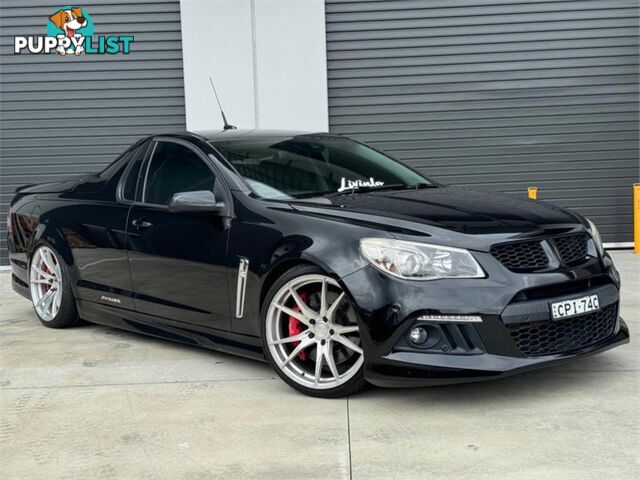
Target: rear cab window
x,y
129,184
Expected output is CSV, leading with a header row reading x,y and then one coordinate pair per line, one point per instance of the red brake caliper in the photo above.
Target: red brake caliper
x,y
47,286
295,327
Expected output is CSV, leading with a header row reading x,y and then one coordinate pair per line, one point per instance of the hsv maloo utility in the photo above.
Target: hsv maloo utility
x,y
331,260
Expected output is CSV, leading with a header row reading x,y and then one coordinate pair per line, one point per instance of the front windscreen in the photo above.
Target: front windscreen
x,y
306,166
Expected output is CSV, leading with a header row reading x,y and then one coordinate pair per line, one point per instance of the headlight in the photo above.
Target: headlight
x,y
595,235
419,261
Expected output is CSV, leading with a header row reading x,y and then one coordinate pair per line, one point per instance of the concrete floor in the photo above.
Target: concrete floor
x,y
96,403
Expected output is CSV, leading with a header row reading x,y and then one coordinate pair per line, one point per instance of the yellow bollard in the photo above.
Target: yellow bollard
x,y
533,193
636,218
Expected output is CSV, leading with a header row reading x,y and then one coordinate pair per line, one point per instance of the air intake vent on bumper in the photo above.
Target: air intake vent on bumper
x,y
561,336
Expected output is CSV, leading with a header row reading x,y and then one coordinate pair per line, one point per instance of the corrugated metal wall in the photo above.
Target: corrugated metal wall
x,y
497,94
68,115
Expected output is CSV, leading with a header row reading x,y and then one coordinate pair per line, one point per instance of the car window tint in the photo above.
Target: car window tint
x,y
309,165
131,182
175,168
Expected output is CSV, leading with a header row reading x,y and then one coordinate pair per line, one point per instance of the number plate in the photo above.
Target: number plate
x,y
573,307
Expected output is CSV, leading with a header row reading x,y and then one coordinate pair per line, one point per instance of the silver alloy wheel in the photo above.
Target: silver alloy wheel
x,y
330,337
45,280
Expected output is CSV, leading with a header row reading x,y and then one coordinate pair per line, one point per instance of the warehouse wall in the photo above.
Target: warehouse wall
x,y
72,115
268,60
496,94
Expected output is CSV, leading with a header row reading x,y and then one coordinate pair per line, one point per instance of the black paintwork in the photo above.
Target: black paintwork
x,y
175,271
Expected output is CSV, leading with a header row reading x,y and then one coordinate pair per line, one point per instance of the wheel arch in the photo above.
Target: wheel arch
x,y
54,238
280,268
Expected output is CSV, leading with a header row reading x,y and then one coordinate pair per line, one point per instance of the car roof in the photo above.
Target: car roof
x,y
214,136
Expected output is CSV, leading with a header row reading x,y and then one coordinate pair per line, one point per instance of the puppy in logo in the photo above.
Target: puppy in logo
x,y
69,21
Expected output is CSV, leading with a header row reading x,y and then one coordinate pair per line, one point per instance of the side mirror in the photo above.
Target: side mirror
x,y
198,201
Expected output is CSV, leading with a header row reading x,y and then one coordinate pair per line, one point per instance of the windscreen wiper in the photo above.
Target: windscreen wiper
x,y
390,186
367,189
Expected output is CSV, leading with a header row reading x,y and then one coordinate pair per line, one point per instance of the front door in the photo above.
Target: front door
x,y
178,261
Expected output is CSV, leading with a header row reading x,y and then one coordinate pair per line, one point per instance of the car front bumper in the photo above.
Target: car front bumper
x,y
506,302
410,369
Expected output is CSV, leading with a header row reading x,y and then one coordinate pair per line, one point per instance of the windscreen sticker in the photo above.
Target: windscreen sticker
x,y
355,184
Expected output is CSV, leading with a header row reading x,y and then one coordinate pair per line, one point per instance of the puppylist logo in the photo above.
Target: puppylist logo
x,y
70,31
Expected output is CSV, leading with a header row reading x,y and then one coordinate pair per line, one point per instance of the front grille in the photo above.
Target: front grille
x,y
531,256
521,257
558,336
572,249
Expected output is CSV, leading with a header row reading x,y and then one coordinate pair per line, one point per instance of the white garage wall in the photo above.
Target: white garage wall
x,y
268,60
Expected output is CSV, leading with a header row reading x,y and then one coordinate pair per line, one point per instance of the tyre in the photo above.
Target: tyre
x,y
50,288
311,334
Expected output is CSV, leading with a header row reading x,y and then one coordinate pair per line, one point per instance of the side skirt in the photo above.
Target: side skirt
x,y
233,343
20,287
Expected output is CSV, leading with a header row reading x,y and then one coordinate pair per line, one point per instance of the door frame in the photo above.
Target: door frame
x,y
144,170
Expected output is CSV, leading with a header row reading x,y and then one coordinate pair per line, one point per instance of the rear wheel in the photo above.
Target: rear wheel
x,y
50,289
311,334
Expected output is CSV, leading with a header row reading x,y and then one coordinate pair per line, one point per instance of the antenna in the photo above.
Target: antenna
x,y
227,125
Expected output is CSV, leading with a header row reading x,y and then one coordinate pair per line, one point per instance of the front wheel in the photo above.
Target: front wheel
x,y
50,288
311,334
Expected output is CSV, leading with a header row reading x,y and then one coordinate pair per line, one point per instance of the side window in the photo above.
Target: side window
x,y
130,183
175,168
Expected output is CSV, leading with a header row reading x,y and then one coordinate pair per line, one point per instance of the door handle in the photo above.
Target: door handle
x,y
141,223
